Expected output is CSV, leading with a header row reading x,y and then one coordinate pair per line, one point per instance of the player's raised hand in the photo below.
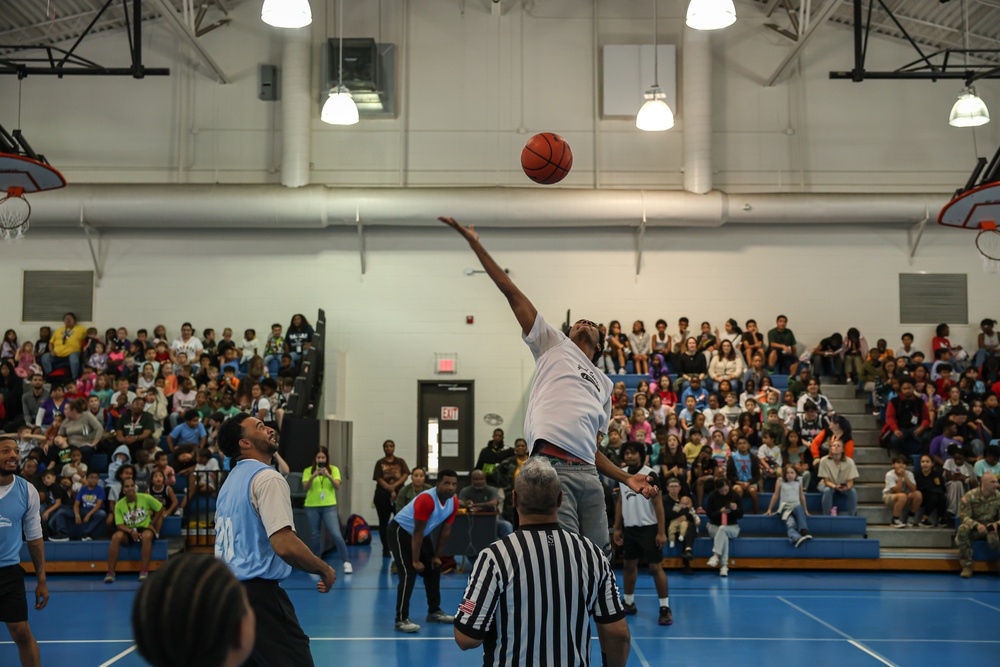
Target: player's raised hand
x,y
468,232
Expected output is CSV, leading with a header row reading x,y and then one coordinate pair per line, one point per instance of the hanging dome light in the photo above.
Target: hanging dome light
x,y
710,14
655,115
969,110
286,13
339,108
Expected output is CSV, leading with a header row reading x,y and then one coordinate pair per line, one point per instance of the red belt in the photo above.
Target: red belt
x,y
547,448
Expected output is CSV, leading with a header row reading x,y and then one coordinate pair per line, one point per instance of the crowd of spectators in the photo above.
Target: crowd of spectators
x,y
150,405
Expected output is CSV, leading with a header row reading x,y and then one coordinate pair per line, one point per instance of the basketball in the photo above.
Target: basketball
x,y
546,158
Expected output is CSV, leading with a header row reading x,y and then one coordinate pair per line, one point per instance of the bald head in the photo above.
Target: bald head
x,y
536,491
989,483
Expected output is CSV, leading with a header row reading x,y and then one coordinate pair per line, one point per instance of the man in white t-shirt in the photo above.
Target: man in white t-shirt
x,y
188,343
569,407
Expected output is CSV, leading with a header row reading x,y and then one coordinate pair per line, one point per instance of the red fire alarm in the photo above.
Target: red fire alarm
x,y
469,319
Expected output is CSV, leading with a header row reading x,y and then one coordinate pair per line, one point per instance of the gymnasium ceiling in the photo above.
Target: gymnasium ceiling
x,y
46,22
931,23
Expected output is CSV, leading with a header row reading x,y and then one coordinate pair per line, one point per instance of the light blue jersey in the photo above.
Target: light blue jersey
x,y
240,538
13,506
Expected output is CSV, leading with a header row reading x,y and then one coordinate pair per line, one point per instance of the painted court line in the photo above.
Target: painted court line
x,y
118,657
853,642
983,604
639,654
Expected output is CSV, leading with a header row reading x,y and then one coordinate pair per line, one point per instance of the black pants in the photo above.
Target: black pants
x,y
691,532
280,639
401,545
935,499
385,509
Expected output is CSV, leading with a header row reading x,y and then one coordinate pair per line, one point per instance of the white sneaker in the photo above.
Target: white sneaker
x,y
713,561
724,572
406,625
348,569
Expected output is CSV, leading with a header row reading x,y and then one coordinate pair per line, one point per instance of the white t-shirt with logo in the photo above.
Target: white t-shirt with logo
x,y
570,401
192,347
636,509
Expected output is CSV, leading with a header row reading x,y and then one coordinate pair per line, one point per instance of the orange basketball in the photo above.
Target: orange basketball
x,y
546,158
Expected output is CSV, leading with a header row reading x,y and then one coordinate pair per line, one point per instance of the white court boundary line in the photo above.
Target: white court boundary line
x,y
989,606
850,640
638,653
119,656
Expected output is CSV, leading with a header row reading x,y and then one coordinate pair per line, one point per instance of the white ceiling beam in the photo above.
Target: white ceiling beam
x,y
175,22
816,22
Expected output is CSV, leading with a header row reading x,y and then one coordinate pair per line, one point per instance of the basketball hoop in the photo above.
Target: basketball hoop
x,y
14,213
988,245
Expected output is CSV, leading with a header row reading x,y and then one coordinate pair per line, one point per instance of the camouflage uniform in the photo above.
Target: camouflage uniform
x,y
977,509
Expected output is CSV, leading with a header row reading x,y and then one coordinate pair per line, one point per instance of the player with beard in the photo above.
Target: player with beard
x,y
256,538
19,512
569,408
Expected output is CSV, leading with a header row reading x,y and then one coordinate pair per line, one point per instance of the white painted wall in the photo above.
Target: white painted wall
x,y
474,87
414,298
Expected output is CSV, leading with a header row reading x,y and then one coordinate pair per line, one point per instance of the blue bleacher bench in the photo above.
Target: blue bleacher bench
x,y
761,524
95,550
780,547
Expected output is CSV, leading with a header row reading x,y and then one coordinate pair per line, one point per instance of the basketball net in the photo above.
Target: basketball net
x,y
14,214
988,245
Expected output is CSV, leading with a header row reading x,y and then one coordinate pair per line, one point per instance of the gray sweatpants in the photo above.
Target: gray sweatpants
x,y
583,511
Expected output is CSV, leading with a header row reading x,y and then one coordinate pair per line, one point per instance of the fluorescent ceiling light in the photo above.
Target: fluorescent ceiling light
x,y
339,108
969,110
710,14
286,13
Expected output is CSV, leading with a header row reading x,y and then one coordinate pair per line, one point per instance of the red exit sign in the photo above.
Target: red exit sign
x,y
449,414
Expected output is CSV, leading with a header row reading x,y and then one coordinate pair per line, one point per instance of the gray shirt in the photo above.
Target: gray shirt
x,y
837,474
83,431
30,403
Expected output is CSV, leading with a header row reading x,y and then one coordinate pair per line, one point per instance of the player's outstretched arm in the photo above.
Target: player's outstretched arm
x,y
523,309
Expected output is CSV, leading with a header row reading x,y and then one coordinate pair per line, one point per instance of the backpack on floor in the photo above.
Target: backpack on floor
x,y
357,531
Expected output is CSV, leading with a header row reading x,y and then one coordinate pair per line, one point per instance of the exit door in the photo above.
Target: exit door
x,y
445,426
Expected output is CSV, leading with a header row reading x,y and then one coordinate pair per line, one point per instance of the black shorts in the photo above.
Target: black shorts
x,y
13,597
129,540
640,542
280,639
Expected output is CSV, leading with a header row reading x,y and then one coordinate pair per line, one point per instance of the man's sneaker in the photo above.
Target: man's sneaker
x,y
713,561
348,568
406,625
143,575
926,523
439,616
666,617
630,609
802,540
86,538
966,571
688,553
109,578
724,572
898,523
59,538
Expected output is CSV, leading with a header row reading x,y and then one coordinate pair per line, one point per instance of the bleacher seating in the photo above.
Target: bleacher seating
x,y
835,537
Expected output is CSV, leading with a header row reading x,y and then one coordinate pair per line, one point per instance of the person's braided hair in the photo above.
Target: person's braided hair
x,y
198,595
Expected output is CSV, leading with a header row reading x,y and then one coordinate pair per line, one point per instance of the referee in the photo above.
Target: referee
x,y
254,536
532,594
19,512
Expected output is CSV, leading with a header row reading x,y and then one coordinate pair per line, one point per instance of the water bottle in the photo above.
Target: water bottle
x,y
833,511
725,519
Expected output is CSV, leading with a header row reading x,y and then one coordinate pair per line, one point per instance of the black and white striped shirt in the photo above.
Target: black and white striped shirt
x,y
532,594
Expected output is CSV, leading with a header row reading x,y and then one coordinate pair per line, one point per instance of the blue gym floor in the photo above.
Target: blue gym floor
x,y
751,618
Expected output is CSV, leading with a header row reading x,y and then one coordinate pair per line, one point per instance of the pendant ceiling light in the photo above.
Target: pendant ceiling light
x,y
340,108
710,14
655,115
286,13
969,110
